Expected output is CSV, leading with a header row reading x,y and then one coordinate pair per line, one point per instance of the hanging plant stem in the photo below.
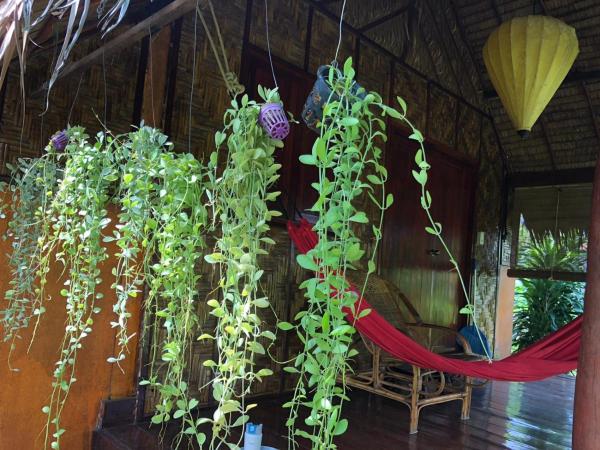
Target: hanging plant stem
x,y
179,229
242,195
31,188
348,159
78,216
435,228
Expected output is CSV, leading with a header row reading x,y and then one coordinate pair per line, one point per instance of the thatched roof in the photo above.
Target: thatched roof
x,y
454,31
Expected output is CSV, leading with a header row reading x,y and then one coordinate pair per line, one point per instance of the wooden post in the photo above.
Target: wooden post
x,y
586,424
155,81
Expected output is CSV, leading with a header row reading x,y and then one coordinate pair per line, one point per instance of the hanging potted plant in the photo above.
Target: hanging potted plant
x,y
250,138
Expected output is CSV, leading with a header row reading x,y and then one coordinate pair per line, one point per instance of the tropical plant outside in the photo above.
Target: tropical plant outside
x,y
544,305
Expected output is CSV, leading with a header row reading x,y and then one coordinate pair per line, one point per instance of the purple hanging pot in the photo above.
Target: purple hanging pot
x,y
59,140
274,121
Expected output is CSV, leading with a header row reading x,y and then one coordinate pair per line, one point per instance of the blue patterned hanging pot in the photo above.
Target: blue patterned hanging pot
x,y
312,113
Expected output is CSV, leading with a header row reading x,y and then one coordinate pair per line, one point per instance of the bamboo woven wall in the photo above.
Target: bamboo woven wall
x,y
104,93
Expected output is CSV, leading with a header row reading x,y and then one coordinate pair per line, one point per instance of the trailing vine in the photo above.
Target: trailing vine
x,y
78,216
179,229
349,162
59,212
31,190
242,195
348,159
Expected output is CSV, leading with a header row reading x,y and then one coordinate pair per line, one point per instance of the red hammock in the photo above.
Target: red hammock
x,y
555,354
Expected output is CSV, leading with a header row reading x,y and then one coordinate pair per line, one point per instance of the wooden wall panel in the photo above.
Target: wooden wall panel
x,y
25,392
287,29
413,90
468,131
199,79
374,70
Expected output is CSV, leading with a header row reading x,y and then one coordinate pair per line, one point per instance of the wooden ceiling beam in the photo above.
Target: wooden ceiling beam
x,y
445,50
162,17
574,76
557,178
546,274
387,17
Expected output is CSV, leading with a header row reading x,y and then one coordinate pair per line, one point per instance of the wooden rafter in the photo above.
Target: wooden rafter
x,y
557,178
463,36
162,17
442,44
387,17
350,29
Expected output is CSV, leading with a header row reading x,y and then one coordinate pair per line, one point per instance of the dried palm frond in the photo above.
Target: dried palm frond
x,y
114,16
72,34
11,12
17,21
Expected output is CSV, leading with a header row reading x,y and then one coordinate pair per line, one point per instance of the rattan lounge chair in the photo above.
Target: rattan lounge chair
x,y
383,374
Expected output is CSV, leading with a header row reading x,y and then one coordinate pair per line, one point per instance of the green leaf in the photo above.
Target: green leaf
x,y
389,200
349,121
285,326
421,177
325,322
340,427
402,104
371,266
261,302
431,231
359,217
306,262
347,66
308,160
320,149
416,136
468,310
264,373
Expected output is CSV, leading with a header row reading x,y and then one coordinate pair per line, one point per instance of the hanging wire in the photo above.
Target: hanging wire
x,y
105,89
151,71
269,43
337,50
193,79
75,99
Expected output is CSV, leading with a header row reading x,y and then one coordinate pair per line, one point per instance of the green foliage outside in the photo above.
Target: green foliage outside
x,y
543,306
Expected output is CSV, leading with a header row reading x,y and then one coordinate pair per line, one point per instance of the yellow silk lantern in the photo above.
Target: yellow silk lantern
x,y
527,58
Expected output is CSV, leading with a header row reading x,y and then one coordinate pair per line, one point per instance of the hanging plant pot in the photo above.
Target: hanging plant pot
x,y
274,121
59,140
312,113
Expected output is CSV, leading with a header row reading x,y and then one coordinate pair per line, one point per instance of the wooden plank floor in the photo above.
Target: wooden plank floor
x,y
536,415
